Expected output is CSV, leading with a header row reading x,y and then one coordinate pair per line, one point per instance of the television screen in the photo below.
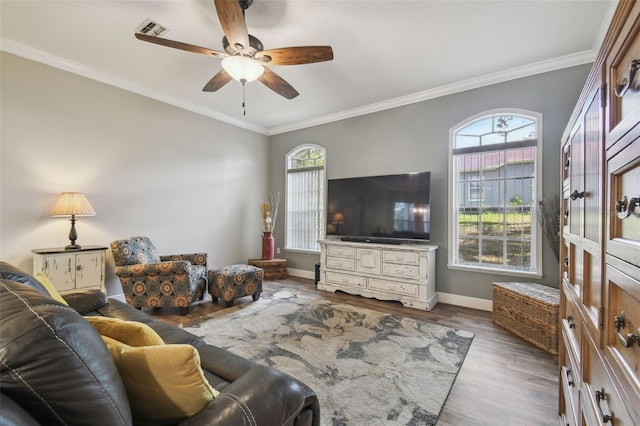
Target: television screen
x,y
380,208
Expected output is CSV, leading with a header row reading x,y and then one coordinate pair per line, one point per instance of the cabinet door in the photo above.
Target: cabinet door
x,y
592,203
89,269
624,99
624,192
61,270
368,261
584,200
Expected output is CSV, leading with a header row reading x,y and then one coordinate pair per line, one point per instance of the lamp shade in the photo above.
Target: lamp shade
x,y
72,204
242,68
338,218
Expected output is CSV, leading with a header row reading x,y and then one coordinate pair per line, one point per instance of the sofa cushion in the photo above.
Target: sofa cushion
x,y
165,383
54,362
132,333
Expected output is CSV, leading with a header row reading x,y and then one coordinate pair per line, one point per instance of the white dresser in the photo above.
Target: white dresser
x,y
388,272
72,269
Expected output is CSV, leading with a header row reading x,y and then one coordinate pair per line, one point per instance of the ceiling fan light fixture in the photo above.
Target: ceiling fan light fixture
x,y
242,68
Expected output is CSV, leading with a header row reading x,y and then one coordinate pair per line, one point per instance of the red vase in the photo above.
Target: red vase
x,y
267,246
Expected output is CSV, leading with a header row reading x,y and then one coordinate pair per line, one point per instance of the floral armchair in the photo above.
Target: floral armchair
x,y
150,280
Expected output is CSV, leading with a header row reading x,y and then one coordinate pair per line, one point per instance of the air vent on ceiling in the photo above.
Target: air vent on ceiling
x,y
150,28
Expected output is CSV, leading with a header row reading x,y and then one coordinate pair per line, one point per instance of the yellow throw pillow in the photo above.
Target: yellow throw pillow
x,y
164,383
44,280
132,333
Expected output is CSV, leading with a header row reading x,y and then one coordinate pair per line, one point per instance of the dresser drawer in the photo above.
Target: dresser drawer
x,y
339,251
571,322
600,400
571,395
394,287
401,271
622,329
340,263
345,279
407,258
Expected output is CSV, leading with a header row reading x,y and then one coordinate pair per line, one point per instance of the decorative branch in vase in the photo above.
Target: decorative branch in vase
x,y
269,213
548,217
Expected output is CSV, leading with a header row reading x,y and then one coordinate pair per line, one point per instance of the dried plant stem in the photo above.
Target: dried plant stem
x,y
548,217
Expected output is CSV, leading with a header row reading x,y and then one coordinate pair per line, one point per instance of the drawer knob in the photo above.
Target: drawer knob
x,y
600,395
628,340
624,86
625,207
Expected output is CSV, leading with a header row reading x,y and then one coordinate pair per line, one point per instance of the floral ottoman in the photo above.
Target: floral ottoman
x,y
233,281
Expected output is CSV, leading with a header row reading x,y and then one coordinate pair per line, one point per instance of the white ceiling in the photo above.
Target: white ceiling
x,y
386,52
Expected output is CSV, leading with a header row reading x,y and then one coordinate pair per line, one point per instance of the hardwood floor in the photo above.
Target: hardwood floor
x,y
504,380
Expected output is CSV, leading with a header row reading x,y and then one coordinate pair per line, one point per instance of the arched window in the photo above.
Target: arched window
x,y
305,198
494,185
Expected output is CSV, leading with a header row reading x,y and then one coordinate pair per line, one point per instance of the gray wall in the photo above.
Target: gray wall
x,y
188,182
416,138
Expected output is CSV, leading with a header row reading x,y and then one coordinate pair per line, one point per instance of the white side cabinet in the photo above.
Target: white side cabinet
x,y
388,272
72,269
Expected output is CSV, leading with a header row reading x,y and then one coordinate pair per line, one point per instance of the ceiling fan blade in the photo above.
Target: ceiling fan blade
x,y
217,81
180,45
232,20
295,55
276,83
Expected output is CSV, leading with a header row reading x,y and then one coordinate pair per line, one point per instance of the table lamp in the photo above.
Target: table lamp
x,y
72,204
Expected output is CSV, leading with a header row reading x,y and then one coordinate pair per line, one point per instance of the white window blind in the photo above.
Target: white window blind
x,y
305,221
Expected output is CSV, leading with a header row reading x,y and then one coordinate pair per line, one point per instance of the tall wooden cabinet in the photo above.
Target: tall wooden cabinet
x,y
600,292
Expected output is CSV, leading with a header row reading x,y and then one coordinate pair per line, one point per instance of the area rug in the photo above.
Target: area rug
x,y
367,367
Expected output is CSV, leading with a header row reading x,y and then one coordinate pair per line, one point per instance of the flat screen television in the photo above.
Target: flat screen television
x,y
386,209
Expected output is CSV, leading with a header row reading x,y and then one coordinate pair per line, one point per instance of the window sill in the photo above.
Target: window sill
x,y
304,251
495,271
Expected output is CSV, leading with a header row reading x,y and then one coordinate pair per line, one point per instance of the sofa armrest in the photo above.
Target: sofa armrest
x,y
193,258
162,268
85,301
262,396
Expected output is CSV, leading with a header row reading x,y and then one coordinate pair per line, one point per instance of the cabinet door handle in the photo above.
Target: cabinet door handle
x,y
628,340
575,194
570,381
624,86
571,321
625,207
600,395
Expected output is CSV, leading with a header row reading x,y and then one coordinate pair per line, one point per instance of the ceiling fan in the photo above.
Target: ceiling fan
x,y
244,57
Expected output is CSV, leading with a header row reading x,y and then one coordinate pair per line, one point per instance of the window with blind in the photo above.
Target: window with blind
x,y
305,198
495,166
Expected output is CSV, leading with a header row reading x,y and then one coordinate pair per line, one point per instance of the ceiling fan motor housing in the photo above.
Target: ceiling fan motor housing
x,y
255,46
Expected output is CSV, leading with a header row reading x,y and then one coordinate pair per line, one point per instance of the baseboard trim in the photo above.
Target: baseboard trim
x,y
301,273
448,298
466,301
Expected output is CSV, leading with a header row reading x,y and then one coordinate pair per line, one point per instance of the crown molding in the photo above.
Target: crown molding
x,y
27,52
36,55
568,61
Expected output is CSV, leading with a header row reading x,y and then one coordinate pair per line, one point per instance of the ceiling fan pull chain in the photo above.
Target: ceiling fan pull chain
x,y
244,109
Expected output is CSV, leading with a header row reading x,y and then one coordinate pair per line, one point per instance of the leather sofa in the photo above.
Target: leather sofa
x,y
55,368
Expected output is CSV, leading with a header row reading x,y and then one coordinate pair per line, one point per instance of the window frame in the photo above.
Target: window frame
x,y
323,181
536,235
